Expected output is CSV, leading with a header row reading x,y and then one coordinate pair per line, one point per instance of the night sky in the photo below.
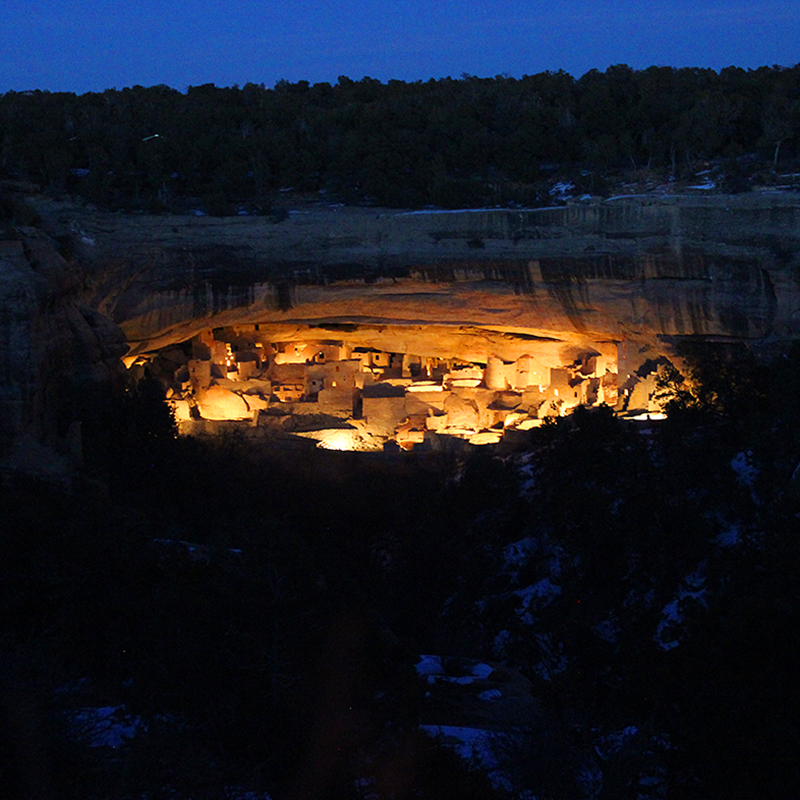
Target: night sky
x,y
92,45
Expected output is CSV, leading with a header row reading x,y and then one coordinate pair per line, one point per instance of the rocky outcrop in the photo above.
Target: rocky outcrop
x,y
56,355
492,282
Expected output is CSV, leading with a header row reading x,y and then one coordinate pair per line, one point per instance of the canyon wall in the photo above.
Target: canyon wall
x,y
641,268
549,283
58,357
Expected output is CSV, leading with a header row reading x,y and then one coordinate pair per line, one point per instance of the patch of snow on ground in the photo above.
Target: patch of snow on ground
x,y
607,630
474,745
746,472
539,595
553,662
527,479
501,642
730,537
742,465
625,196
674,613
612,743
590,779
517,553
430,667
562,190
482,671
108,726
490,694
445,211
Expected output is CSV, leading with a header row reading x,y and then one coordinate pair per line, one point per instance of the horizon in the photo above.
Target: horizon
x,y
91,48
335,82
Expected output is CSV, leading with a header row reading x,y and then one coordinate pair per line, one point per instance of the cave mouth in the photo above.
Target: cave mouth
x,y
372,388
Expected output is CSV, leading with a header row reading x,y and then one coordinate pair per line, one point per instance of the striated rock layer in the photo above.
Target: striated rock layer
x,y
58,356
470,284
596,282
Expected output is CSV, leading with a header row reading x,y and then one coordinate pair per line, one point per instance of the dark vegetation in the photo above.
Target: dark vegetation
x,y
262,614
449,143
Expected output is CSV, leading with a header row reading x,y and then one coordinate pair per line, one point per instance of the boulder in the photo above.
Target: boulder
x,y
219,403
462,413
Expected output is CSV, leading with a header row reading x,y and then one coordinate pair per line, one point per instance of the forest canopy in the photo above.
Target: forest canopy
x,y
465,142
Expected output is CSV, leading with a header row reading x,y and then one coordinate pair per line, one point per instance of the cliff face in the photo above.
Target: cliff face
x,y
58,353
637,268
554,284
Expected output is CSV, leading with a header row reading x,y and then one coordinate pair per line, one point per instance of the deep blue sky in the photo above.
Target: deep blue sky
x,y
92,45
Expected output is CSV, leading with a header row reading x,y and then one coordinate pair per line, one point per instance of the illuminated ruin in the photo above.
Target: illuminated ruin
x,y
394,327
346,394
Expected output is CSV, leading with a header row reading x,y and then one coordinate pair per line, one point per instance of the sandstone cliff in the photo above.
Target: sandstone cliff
x,y
548,283
491,281
58,355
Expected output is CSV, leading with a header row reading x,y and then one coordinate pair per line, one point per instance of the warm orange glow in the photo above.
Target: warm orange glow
x,y
425,387
337,439
394,394
649,415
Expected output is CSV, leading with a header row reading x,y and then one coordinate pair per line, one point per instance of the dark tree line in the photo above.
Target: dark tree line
x,y
442,142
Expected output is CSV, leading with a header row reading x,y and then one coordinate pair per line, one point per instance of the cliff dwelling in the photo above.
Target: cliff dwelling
x,y
365,329
366,389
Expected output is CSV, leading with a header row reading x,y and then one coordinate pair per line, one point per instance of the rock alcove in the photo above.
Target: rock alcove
x,y
247,320
407,385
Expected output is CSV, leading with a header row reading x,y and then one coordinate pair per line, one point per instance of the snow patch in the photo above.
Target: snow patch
x,y
474,745
539,595
445,211
432,669
613,742
607,630
746,472
553,662
562,190
517,553
107,726
730,537
674,613
430,666
501,642
482,671
742,465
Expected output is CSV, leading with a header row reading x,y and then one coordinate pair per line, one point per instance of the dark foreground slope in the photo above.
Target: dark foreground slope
x,y
254,621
